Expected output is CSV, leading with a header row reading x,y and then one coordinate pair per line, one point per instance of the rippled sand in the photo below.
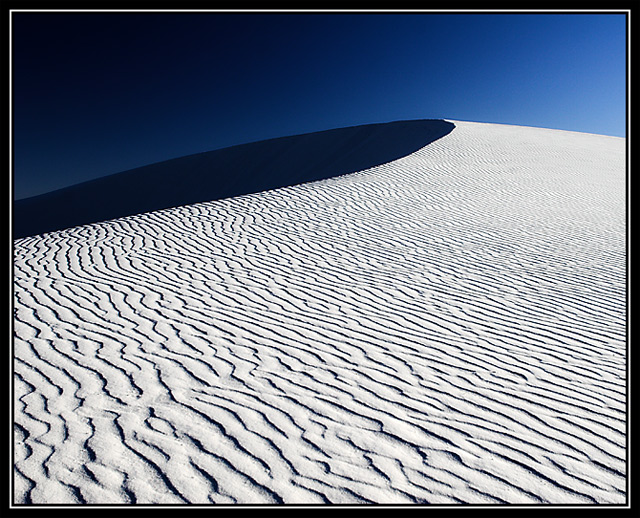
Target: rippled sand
x,y
448,327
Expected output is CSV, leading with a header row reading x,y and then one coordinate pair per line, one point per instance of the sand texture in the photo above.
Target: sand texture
x,y
447,327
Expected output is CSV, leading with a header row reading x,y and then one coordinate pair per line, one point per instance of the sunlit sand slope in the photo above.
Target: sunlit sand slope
x,y
448,327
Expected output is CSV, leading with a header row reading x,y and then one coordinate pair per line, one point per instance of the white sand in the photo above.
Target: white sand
x,y
445,328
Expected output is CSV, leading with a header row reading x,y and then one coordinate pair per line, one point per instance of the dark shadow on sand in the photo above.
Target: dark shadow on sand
x,y
224,173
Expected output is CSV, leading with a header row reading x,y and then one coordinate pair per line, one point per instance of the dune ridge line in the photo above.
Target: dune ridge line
x,y
225,173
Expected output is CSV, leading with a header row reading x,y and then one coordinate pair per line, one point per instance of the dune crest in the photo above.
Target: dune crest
x,y
224,173
445,328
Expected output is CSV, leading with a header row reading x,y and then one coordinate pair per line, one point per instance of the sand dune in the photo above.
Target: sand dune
x,y
445,328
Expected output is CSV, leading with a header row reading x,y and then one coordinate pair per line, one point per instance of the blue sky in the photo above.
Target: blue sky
x,y
99,93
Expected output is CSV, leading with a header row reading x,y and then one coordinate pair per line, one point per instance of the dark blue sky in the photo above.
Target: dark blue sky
x,y
99,93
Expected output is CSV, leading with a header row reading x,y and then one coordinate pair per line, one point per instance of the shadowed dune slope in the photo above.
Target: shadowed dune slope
x,y
224,173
